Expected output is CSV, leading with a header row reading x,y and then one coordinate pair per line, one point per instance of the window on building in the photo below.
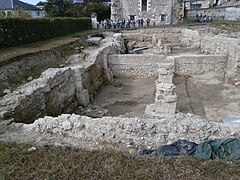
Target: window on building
x,y
132,17
163,17
144,5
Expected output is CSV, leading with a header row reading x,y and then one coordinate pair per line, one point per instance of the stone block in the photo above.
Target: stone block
x,y
4,115
171,99
83,97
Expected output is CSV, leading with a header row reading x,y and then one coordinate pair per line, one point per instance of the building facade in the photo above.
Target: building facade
x,y
160,11
12,6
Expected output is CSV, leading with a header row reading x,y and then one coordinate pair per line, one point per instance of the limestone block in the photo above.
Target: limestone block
x,y
78,86
159,43
154,39
4,114
67,126
83,97
94,41
171,99
164,87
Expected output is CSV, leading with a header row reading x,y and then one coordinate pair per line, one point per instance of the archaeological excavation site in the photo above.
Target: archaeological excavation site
x,y
128,90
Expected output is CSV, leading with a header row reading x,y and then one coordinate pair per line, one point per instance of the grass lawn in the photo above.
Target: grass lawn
x,y
61,163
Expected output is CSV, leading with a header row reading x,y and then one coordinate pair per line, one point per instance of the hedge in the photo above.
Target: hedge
x,y
16,31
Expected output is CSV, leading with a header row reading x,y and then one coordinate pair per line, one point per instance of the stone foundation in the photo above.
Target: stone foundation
x,y
60,90
129,134
166,98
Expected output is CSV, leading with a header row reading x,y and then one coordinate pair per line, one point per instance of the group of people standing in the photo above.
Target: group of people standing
x,y
203,18
120,24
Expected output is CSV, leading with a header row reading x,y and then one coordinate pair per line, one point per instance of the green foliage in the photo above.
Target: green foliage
x,y
40,3
22,13
103,12
65,8
15,13
58,8
2,14
10,14
17,31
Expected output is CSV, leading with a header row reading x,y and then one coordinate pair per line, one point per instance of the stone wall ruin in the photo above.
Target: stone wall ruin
x,y
75,85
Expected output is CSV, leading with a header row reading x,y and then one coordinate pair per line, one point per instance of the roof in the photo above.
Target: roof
x,y
7,4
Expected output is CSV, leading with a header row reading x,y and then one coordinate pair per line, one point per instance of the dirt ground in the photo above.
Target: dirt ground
x,y
122,96
207,95
204,95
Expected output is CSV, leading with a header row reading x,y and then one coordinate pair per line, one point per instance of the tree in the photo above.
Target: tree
x,y
22,13
81,9
58,8
3,14
40,3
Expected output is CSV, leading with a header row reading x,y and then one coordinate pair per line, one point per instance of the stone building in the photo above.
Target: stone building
x,y
160,11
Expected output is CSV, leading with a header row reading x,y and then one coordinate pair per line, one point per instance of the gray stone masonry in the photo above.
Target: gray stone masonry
x,y
166,98
60,90
129,134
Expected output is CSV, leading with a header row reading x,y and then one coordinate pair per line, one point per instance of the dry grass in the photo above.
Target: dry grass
x,y
227,26
59,163
7,54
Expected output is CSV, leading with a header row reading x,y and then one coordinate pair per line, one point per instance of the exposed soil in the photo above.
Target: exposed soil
x,y
122,96
56,51
207,95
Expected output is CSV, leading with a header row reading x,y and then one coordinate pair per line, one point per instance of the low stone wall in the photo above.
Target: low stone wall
x,y
217,44
168,35
199,64
146,65
52,94
124,133
135,65
60,90
97,71
217,13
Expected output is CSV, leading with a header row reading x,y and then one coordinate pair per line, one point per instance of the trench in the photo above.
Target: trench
x,y
123,96
189,99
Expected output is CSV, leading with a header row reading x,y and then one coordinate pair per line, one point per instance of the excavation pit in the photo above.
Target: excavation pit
x,y
113,111
127,97
208,96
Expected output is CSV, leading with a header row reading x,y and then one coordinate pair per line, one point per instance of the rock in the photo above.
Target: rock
x,y
32,149
66,125
6,91
77,49
237,83
30,78
94,41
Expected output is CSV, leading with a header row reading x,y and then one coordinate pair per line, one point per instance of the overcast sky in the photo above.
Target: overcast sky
x,y
32,1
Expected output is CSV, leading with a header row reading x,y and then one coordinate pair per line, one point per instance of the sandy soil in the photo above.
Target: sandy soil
x,y
207,95
122,96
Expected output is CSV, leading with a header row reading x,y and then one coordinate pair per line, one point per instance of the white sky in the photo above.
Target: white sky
x,y
34,2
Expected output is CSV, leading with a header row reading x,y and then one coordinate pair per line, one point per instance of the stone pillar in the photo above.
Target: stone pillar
x,y
166,49
166,98
154,39
94,20
114,10
82,94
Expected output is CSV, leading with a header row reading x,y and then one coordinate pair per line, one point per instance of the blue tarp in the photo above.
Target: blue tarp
x,y
226,149
231,120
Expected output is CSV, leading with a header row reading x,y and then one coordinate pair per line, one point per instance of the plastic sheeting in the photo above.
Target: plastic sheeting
x,y
226,149
176,148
